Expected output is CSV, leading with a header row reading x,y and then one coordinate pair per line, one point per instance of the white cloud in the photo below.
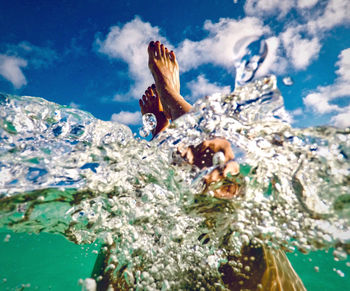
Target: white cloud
x,y
297,112
129,43
342,119
268,7
225,45
300,51
36,56
335,13
274,62
21,55
320,100
11,70
202,87
300,43
306,3
126,117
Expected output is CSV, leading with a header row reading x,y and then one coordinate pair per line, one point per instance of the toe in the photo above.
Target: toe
x,y
157,49
162,50
148,92
144,98
153,100
151,48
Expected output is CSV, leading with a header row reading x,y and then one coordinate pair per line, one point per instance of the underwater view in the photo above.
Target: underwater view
x,y
248,188
65,172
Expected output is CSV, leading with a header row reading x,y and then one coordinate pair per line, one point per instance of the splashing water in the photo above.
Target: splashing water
x,y
249,64
149,122
288,81
63,171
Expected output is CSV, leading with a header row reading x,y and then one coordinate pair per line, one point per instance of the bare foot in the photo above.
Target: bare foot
x,y
165,71
150,103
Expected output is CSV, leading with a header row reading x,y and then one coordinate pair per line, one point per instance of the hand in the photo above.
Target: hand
x,y
202,154
202,157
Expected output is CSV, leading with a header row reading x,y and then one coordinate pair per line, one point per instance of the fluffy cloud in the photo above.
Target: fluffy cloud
x,y
126,117
306,3
300,43
129,43
11,70
36,56
225,45
320,100
274,62
342,119
300,50
335,13
202,87
21,55
268,7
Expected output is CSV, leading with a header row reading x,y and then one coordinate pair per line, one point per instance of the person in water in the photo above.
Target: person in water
x,y
164,100
270,270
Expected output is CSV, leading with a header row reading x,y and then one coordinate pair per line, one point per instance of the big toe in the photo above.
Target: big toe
x,y
151,48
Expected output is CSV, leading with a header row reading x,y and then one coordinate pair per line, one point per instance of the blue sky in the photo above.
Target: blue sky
x,y
93,54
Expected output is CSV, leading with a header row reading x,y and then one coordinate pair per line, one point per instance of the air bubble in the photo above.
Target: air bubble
x,y
144,132
7,238
149,121
288,81
218,159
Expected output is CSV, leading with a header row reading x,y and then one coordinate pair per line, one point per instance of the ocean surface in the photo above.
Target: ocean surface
x,y
71,184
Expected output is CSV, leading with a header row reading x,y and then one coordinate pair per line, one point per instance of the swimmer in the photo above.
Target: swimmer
x,y
165,70
264,269
269,270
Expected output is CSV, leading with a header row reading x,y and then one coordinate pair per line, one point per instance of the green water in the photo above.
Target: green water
x,y
326,278
45,261
50,262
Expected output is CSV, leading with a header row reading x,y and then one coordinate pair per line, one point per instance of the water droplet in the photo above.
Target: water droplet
x,y
288,81
249,64
144,132
7,238
340,254
149,121
340,273
219,158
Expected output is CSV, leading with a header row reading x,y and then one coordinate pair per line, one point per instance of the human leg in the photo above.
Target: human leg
x,y
165,70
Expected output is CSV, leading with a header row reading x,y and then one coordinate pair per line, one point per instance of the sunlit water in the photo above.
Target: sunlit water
x,y
63,171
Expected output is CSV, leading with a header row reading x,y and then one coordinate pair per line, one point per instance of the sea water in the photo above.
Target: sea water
x,y
65,172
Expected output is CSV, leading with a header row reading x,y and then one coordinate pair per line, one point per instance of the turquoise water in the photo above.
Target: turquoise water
x,y
50,262
84,180
45,261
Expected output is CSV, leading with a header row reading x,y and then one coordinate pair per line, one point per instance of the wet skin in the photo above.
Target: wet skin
x,y
165,71
271,270
150,103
